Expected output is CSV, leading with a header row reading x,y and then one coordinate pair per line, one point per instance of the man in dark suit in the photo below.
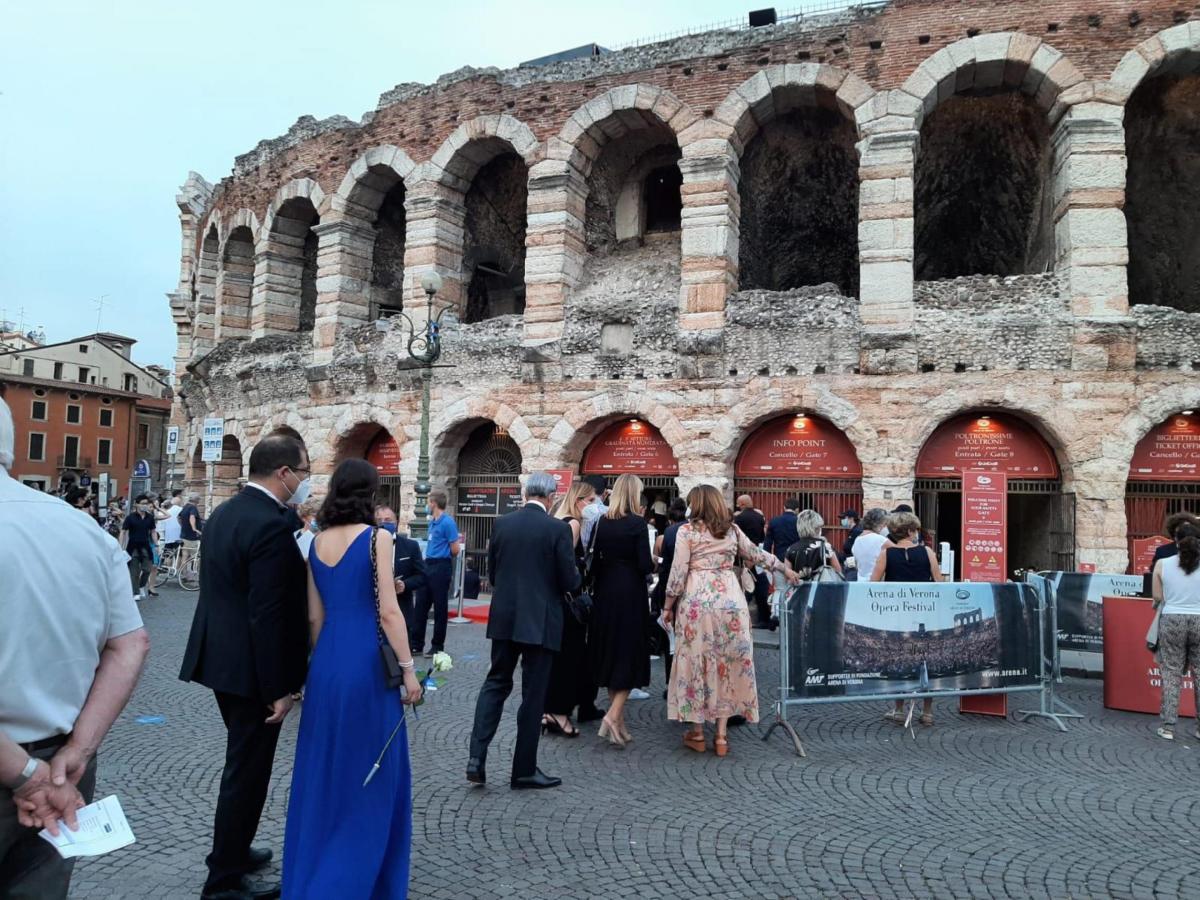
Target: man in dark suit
x,y
781,531
408,566
249,644
531,563
754,525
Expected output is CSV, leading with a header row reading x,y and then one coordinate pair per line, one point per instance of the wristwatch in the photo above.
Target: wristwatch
x,y
26,773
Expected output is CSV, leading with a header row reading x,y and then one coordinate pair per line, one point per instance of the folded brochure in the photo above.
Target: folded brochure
x,y
102,829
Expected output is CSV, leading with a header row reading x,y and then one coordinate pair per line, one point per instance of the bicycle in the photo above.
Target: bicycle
x,y
188,575
167,562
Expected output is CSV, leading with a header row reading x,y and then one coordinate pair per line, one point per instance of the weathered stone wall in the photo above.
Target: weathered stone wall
x,y
1167,338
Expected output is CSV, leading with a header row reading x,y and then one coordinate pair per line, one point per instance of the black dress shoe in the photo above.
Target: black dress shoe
x,y
736,720
244,890
538,779
475,771
258,858
590,715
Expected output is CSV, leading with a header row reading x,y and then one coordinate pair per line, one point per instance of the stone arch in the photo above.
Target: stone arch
x,y
475,143
368,180
583,421
1147,415
449,433
795,129
1174,51
285,272
235,278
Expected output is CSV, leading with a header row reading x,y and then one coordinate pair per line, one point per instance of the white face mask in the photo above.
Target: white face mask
x,y
687,513
300,494
845,523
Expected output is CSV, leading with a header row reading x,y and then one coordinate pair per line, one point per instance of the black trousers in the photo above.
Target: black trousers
x,y
570,674
436,593
141,563
249,755
761,597
535,675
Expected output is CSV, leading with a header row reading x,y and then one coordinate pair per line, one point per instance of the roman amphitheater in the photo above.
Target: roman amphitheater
x,y
844,256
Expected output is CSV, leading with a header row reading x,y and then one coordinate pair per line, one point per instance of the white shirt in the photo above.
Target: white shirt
x,y
170,525
304,539
1181,590
865,550
57,613
259,487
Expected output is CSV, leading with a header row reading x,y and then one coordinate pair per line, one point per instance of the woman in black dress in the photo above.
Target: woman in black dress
x,y
617,637
906,560
570,675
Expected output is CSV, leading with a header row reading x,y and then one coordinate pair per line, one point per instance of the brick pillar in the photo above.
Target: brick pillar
x,y
204,328
183,331
344,255
885,230
555,247
235,281
711,209
434,221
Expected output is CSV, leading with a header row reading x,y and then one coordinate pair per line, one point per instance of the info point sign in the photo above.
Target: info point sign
x,y
984,524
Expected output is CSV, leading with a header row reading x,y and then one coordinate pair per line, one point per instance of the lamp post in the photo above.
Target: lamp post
x,y
425,347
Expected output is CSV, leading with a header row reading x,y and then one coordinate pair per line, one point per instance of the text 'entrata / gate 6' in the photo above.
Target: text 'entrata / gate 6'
x,y
892,641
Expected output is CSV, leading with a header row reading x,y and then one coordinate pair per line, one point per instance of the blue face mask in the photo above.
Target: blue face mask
x,y
389,527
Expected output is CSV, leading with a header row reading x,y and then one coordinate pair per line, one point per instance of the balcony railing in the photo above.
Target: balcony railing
x,y
74,462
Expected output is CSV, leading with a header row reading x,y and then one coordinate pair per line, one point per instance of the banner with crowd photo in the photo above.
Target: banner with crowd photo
x,y
861,639
1080,598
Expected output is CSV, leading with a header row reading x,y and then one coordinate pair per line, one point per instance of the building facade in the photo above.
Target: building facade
x,y
845,257
83,408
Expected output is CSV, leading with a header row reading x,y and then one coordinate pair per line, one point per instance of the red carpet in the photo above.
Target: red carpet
x,y
477,613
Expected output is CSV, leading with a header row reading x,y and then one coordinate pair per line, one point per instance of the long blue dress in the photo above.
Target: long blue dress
x,y
344,840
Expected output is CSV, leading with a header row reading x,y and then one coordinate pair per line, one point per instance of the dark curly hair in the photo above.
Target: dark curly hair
x,y
351,497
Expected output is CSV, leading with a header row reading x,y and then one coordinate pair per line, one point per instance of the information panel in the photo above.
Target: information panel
x,y
510,498
798,446
384,454
984,524
1143,552
633,446
211,440
986,442
1171,452
478,501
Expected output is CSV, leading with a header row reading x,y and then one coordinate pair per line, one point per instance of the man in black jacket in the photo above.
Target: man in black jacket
x,y
531,563
408,565
249,644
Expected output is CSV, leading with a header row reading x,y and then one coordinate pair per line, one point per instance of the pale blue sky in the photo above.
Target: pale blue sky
x,y
106,106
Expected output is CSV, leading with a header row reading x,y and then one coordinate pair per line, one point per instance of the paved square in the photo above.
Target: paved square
x,y
973,807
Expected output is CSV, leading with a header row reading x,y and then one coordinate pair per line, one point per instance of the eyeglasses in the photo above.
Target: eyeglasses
x,y
306,471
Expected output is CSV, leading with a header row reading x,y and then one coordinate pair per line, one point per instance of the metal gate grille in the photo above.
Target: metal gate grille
x,y
390,492
828,496
1149,503
490,459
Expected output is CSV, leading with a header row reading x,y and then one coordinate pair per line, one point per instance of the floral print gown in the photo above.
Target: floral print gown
x,y
712,675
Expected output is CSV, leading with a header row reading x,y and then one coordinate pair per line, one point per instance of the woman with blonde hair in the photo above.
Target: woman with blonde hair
x,y
570,678
617,635
712,676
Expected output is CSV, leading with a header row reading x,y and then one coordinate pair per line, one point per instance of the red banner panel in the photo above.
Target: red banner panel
x,y
1171,452
384,454
630,446
984,523
562,478
799,446
988,442
1143,552
1132,680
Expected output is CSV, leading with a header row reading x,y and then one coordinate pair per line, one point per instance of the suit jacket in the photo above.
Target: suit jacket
x,y
531,564
752,523
781,534
250,633
408,564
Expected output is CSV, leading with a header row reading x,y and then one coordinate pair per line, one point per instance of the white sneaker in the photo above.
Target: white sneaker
x,y
638,694
142,594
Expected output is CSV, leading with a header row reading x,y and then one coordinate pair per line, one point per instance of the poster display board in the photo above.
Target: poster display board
x,y
479,501
630,446
211,440
384,454
860,639
1143,552
1080,607
562,478
510,498
799,446
1132,679
984,526
989,443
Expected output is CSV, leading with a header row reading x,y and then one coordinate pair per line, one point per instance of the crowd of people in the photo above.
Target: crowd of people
x,y
901,654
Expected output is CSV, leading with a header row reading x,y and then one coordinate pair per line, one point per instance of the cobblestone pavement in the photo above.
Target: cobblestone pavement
x,y
974,807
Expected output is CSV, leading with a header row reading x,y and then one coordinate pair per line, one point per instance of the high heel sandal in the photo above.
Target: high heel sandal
x,y
624,733
721,745
610,734
694,741
553,726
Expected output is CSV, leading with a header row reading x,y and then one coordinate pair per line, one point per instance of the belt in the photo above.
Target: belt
x,y
50,743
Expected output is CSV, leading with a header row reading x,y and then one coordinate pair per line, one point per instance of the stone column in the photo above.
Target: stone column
x,y
555,247
204,325
1091,242
434,215
709,224
344,256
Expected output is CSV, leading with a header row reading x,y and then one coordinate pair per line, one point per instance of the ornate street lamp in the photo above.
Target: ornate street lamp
x,y
425,347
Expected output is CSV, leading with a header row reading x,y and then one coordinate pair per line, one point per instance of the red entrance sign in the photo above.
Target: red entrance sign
x,y
1143,552
384,454
1171,452
631,446
799,446
562,478
986,442
984,521
1132,680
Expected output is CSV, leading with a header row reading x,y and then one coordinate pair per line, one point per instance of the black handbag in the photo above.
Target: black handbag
x,y
393,674
579,602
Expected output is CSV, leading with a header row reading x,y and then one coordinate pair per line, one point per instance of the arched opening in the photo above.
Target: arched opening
x,y
387,256
295,245
234,285
494,240
806,457
1162,193
1040,532
1164,479
983,201
634,446
488,486
633,185
227,474
204,332
799,198
374,443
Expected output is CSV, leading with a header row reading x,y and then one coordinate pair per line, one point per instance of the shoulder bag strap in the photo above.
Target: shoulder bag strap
x,y
375,585
589,553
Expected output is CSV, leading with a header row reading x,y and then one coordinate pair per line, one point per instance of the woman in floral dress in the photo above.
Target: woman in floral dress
x,y
712,677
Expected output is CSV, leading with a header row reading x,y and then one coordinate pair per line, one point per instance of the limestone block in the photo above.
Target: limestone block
x,y
991,56
879,190
1059,77
1098,290
877,234
962,54
901,103
1178,40
1044,58
710,321
853,93
1093,228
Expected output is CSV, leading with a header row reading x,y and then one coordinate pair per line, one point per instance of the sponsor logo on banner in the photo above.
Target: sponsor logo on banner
x,y
860,638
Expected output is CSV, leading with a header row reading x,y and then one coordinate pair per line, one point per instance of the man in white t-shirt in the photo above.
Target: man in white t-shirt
x,y
169,524
868,545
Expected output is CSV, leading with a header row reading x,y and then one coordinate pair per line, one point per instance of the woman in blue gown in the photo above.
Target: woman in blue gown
x,y
345,840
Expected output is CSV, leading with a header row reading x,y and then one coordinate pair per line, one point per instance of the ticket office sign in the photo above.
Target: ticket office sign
x,y
984,526
479,501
